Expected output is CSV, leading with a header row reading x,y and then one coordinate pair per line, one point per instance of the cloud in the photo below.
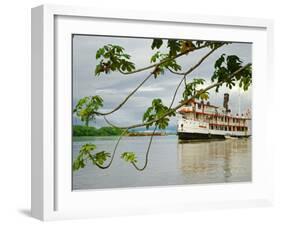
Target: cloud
x,y
150,89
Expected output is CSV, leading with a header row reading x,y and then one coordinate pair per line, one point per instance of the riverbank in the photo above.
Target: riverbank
x,y
90,131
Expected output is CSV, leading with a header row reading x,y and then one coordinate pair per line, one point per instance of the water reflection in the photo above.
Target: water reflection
x,y
170,163
215,161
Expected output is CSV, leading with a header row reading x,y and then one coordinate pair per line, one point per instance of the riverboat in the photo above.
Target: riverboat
x,y
200,120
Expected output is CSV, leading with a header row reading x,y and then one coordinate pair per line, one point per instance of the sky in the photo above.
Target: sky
x,y
114,87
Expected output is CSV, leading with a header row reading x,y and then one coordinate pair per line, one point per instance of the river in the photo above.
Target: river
x,y
170,163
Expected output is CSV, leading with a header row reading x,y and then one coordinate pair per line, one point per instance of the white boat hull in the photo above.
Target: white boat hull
x,y
193,130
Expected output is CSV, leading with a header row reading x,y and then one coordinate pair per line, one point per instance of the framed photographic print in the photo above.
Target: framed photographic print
x,y
138,113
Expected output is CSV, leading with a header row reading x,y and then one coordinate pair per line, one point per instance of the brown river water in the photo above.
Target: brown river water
x,y
170,163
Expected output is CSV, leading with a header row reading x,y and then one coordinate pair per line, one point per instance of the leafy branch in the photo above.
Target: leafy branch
x,y
131,156
112,57
226,65
98,159
86,153
91,114
186,101
228,71
155,113
86,107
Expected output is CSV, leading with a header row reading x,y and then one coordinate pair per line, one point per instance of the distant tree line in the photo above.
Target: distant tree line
x,y
80,130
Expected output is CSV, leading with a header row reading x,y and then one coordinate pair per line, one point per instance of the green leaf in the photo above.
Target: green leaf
x,y
174,46
156,112
100,53
204,95
191,88
87,107
157,43
113,58
186,46
225,66
100,157
155,57
219,61
129,157
86,153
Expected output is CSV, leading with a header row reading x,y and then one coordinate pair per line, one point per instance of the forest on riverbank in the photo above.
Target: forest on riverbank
x,y
79,130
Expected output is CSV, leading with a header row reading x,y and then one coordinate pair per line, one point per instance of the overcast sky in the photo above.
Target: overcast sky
x,y
114,87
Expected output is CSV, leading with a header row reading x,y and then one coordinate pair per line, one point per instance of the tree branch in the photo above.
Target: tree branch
x,y
136,89
163,61
147,152
196,65
114,151
172,102
125,100
189,71
182,103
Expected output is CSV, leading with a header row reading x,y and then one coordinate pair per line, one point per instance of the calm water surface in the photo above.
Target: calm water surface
x,y
170,163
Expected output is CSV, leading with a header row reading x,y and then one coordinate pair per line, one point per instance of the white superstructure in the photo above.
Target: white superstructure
x,y
199,120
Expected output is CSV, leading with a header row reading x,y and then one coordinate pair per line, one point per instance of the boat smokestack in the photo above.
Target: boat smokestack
x,y
225,101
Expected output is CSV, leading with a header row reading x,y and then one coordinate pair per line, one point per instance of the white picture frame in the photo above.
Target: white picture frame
x,y
52,197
